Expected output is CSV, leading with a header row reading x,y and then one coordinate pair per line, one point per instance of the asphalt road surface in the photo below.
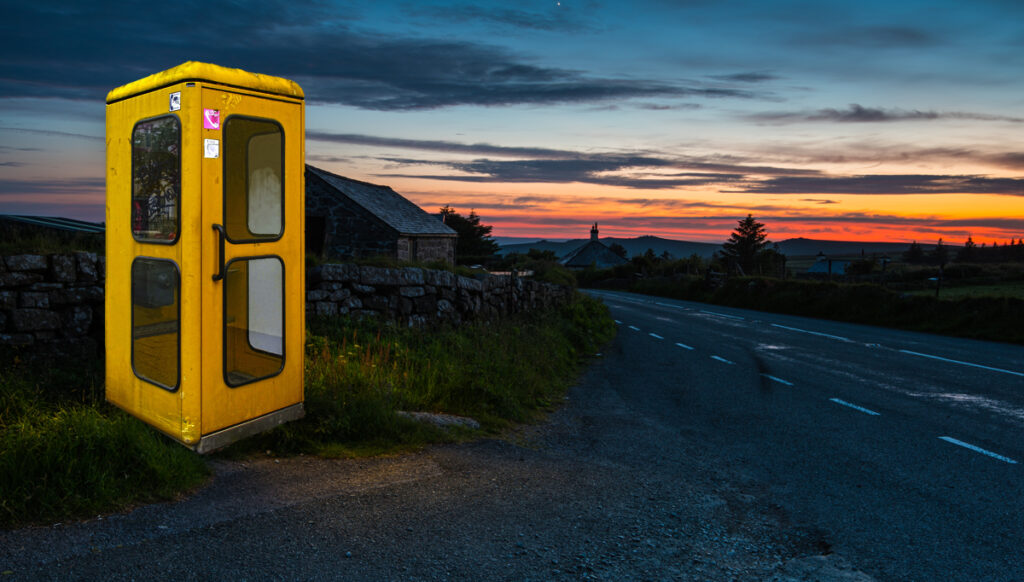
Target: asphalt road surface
x,y
906,448
705,443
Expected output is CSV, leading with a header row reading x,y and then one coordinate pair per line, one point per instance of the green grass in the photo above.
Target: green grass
x,y
65,454
359,374
999,290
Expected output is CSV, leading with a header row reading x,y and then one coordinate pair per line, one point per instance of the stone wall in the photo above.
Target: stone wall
x,y
417,296
52,303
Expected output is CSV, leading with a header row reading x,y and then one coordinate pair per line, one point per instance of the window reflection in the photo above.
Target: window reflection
x,y
156,179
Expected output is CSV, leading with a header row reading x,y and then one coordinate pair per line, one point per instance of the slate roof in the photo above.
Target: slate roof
x,y
592,253
820,267
68,224
386,204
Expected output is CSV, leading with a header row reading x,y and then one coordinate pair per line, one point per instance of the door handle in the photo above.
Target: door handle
x,y
221,235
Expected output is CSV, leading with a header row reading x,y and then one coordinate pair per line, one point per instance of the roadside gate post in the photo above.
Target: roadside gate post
x,y
205,302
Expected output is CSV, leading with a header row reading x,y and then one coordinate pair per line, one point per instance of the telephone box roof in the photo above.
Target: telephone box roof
x,y
196,71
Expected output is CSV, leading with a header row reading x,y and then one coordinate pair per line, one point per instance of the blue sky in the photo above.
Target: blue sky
x,y
868,120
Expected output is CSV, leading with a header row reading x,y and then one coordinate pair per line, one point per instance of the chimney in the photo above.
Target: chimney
x,y
593,232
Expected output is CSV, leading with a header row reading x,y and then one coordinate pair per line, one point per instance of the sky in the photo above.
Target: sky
x,y
869,120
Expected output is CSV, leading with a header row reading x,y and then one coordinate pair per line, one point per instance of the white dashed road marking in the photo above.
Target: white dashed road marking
x,y
977,449
779,380
634,328
855,407
684,346
723,315
655,336
723,360
835,337
1011,372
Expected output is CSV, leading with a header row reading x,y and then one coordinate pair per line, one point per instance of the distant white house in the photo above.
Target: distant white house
x,y
592,254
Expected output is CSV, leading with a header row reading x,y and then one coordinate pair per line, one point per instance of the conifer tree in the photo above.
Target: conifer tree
x,y
745,243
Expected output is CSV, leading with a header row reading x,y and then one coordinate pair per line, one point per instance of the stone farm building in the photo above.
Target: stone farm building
x,y
348,219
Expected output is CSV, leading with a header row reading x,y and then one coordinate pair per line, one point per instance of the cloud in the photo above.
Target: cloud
x,y
747,77
50,133
886,184
74,50
872,37
553,20
479,149
860,114
819,201
71,187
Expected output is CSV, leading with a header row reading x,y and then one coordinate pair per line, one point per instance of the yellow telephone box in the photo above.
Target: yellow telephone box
x,y
205,302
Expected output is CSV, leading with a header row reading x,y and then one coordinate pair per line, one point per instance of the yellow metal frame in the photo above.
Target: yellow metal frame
x,y
203,412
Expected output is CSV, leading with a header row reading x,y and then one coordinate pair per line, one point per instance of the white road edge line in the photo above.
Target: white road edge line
x,y
817,333
721,359
684,346
977,449
655,336
776,379
855,407
723,315
1011,372
618,322
634,328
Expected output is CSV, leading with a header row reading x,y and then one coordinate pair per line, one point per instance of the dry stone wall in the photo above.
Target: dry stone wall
x,y
53,304
415,296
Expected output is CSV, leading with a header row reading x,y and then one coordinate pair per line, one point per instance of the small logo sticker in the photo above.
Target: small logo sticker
x,y
211,118
211,148
175,101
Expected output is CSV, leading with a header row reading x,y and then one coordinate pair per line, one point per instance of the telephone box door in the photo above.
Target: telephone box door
x,y
253,264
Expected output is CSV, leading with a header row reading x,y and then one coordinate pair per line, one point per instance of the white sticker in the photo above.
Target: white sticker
x,y
211,148
175,101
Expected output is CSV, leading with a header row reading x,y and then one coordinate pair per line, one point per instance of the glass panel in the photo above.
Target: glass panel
x,y
156,179
253,320
253,179
155,312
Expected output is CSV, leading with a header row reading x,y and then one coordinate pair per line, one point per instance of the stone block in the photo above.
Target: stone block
x,y
87,267
16,339
352,303
326,308
92,294
72,296
77,320
425,305
340,295
439,278
19,279
410,276
444,306
8,299
469,284
411,292
338,272
376,302
379,276
27,263
363,289
44,336
317,295
63,268
34,320
101,267
34,300
46,287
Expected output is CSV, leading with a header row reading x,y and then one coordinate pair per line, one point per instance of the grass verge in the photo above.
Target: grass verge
x,y
65,454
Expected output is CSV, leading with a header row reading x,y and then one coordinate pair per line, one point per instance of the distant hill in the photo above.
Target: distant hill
x,y
794,247
633,246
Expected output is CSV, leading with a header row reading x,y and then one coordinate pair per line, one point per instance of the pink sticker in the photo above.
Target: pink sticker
x,y
211,118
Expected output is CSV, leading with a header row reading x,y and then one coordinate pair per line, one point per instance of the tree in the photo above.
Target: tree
x,y
914,254
968,253
475,244
619,250
940,254
745,244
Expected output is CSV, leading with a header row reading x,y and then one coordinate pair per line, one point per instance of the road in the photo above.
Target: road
x,y
906,448
704,443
